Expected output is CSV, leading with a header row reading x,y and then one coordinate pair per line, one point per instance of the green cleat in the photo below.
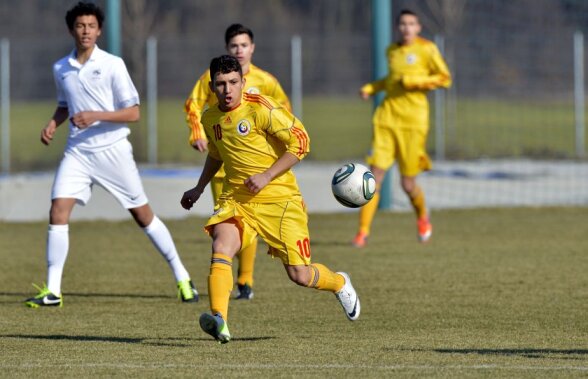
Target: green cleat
x,y
44,298
187,292
215,326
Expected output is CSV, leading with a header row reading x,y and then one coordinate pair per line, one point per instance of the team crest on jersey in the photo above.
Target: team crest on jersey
x,y
243,127
411,59
254,91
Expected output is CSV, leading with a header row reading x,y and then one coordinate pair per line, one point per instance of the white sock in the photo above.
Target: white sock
x,y
161,238
57,248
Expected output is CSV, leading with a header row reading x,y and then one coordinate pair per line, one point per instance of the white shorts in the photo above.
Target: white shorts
x,y
114,169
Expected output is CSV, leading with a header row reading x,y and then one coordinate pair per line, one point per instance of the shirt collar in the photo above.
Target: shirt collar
x,y
96,54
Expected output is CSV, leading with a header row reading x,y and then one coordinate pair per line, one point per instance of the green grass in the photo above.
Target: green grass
x,y
340,129
497,293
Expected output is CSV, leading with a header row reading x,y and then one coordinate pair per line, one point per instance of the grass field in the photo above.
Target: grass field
x,y
497,293
340,129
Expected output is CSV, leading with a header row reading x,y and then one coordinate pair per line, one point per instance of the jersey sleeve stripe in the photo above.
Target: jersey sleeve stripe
x,y
258,99
302,140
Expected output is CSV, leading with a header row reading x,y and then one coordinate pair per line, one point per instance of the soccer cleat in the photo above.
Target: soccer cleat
x,y
245,292
44,298
348,298
187,292
216,326
425,229
360,240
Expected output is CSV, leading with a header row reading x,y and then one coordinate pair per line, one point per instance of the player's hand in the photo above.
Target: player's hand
x,y
47,134
190,198
200,144
255,183
364,95
82,120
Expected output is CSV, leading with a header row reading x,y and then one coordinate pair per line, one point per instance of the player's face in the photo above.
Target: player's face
x,y
241,47
85,32
228,89
409,28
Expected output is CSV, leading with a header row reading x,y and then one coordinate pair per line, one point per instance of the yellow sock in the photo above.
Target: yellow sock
x,y
417,199
324,279
246,263
220,284
367,213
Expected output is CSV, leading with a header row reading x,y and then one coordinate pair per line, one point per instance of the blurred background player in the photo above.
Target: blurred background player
x,y
401,121
97,95
239,43
258,141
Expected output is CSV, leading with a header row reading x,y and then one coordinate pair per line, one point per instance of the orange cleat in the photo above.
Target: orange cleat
x,y
425,229
360,240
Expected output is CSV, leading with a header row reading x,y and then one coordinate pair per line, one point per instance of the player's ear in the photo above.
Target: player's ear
x,y
252,48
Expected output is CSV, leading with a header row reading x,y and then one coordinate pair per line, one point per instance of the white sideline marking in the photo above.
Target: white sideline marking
x,y
298,366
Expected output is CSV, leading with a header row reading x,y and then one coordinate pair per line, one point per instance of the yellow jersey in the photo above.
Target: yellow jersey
x,y
413,70
249,139
257,81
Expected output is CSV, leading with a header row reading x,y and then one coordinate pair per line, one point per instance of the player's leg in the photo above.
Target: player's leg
x,y
226,242
381,158
56,254
368,211
284,226
412,160
245,271
246,256
320,277
116,171
161,238
72,184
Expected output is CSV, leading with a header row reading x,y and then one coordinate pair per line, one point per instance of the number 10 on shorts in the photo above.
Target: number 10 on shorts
x,y
304,247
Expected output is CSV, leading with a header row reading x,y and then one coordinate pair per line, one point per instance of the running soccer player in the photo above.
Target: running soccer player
x,y
258,141
96,94
401,121
239,43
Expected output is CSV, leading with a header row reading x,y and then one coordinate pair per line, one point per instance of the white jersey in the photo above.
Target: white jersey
x,y
101,84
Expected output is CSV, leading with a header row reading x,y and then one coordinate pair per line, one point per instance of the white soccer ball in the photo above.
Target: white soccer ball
x,y
353,185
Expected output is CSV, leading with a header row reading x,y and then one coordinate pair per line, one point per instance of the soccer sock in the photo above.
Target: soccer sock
x,y
324,279
220,284
367,213
162,240
246,263
417,199
57,248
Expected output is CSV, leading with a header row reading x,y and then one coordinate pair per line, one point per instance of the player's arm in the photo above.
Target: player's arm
x,y
439,75
59,116
193,107
372,88
85,119
283,125
191,196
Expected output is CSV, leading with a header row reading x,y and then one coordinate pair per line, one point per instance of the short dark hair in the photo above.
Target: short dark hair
x,y
84,9
405,12
224,64
235,30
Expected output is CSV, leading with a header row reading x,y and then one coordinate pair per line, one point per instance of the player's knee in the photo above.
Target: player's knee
x,y
228,248
408,185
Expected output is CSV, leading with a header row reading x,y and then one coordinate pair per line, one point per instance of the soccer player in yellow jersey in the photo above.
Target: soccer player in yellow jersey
x,y
259,141
401,121
239,43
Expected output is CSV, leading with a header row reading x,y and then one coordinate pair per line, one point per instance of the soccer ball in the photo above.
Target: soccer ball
x,y
353,185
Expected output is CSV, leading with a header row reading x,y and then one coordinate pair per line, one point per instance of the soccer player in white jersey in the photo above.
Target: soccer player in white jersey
x,y
96,94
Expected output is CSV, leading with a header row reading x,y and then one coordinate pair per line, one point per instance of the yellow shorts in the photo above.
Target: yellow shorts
x,y
407,146
283,226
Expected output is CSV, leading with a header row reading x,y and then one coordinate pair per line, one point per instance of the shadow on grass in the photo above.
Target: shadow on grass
x,y
523,352
100,295
168,342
